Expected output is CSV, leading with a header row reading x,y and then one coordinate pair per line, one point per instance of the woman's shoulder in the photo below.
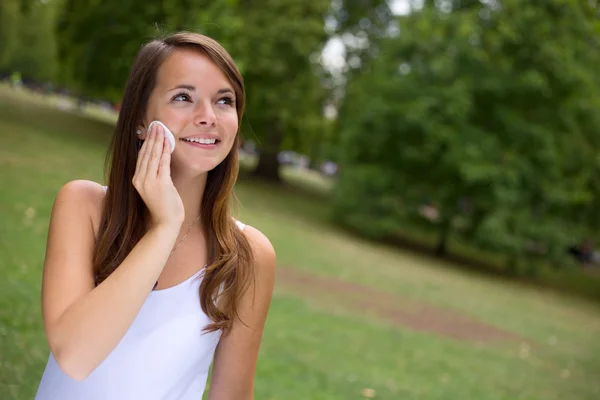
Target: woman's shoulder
x,y
81,190
263,250
82,198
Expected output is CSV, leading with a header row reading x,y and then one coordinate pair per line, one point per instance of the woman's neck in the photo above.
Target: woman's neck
x,y
191,191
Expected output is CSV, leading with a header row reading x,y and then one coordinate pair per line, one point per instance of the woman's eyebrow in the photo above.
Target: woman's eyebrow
x,y
184,86
226,90
192,88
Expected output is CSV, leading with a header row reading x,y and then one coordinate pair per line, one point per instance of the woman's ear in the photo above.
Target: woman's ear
x,y
141,132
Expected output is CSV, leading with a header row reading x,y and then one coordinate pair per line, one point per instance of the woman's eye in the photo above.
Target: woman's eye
x,y
182,97
226,100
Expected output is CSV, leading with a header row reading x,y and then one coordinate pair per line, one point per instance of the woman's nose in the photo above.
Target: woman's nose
x,y
205,114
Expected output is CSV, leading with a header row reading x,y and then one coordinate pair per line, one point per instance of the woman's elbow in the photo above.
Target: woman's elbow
x,y
71,365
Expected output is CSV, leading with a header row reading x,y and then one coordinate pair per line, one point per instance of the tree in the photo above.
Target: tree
x,y
35,54
28,40
285,96
275,42
9,23
359,25
98,40
278,45
484,112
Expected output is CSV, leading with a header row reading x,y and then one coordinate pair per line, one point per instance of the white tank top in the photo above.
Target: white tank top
x,y
164,354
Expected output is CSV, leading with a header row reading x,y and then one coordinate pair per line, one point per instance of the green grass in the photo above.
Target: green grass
x,y
316,346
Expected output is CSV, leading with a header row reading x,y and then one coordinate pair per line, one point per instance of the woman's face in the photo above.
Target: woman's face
x,y
196,101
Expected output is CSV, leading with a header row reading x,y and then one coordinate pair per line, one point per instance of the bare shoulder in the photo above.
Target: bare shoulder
x,y
263,251
82,198
68,263
80,190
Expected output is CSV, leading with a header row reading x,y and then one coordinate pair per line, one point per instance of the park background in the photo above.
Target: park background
x,y
427,171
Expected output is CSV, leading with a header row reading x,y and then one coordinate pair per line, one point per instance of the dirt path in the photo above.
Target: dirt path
x,y
393,309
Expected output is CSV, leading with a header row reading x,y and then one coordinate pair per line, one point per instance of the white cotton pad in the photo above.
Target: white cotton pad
x,y
168,133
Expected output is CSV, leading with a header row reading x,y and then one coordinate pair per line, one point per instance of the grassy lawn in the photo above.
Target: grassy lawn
x,y
317,343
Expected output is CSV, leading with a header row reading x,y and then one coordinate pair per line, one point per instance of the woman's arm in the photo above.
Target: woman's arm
x,y
84,324
234,365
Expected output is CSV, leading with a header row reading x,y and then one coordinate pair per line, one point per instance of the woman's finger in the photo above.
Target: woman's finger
x,y
156,152
146,156
140,154
164,169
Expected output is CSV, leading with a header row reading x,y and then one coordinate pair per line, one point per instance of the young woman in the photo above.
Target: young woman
x,y
149,280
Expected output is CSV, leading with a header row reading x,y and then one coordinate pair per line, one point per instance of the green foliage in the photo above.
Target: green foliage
x,y
488,107
361,24
98,40
276,44
9,23
28,40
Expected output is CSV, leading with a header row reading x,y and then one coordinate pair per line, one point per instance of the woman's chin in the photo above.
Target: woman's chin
x,y
196,168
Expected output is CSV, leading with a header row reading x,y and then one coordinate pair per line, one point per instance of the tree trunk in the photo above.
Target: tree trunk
x,y
268,164
268,167
513,264
442,247
476,220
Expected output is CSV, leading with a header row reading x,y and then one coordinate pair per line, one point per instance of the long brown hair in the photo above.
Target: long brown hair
x,y
229,269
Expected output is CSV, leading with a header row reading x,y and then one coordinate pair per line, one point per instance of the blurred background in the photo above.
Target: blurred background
x,y
428,172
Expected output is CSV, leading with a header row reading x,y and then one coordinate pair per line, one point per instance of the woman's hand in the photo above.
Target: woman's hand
x,y
152,180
